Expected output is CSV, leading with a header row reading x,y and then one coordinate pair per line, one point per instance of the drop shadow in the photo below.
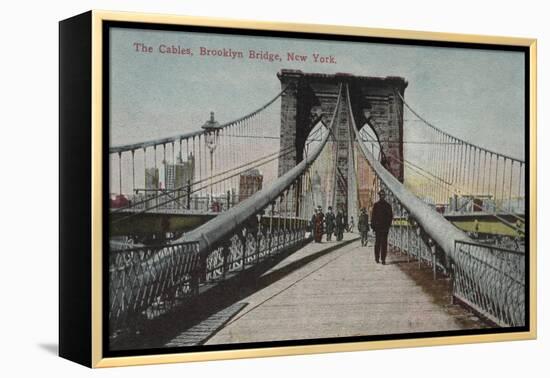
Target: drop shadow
x,y
52,348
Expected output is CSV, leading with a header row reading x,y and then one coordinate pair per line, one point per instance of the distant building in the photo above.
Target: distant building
x,y
179,174
365,184
151,185
151,178
250,182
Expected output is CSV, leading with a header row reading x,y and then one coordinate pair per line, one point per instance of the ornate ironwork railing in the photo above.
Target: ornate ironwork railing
x,y
252,245
146,282
407,237
491,280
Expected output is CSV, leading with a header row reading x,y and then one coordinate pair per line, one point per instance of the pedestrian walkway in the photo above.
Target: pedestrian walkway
x,y
344,293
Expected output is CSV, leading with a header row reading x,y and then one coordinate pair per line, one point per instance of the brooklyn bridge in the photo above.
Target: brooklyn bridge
x,y
211,235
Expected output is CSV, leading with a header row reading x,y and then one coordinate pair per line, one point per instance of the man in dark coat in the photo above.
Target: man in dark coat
x,y
329,223
382,216
363,226
340,225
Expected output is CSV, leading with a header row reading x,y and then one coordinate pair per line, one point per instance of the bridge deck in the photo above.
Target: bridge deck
x,y
345,293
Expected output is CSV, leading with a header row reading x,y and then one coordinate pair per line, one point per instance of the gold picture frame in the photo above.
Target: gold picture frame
x,y
82,281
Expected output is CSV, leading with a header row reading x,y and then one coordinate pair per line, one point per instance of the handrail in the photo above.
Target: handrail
x,y
152,143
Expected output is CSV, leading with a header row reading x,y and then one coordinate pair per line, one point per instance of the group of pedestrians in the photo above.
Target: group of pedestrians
x,y
331,223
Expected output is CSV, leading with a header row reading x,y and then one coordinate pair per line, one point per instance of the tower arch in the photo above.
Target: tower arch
x,y
310,98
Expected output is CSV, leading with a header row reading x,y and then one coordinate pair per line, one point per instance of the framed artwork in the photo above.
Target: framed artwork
x,y
235,189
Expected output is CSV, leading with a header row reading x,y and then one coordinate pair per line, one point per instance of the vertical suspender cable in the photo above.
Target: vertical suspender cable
x,y
510,191
503,195
133,172
120,173
519,179
462,164
467,170
145,168
484,172
496,180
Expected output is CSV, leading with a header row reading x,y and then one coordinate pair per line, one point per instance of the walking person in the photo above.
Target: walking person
x,y
363,226
340,224
329,223
351,225
318,225
382,216
312,223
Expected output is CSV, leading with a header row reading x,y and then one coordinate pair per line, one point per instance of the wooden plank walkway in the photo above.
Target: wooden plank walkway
x,y
345,293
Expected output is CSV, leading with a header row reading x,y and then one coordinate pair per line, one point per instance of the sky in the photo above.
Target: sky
x,y
476,95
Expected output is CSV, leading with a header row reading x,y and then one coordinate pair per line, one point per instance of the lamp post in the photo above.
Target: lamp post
x,y
212,128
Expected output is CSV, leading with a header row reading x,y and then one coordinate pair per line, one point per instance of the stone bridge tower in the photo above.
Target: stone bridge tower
x,y
311,97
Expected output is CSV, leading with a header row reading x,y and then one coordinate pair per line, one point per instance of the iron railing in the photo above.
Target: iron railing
x,y
146,282
408,238
491,280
